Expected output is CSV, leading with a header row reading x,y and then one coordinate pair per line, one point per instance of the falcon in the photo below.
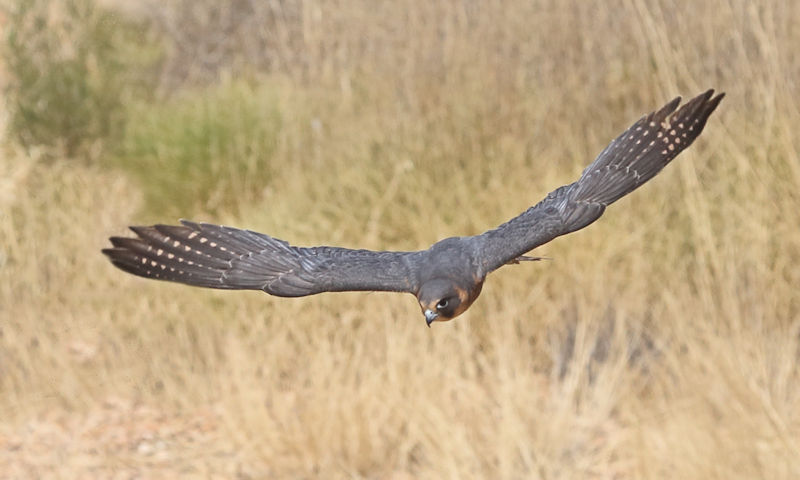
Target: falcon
x,y
447,277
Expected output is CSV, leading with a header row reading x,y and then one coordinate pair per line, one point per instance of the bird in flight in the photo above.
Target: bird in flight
x,y
447,277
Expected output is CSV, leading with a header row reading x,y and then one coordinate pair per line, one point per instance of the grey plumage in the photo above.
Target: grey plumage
x,y
447,277
214,256
629,161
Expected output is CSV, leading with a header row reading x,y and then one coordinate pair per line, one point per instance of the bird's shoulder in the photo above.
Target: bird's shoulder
x,y
451,256
453,246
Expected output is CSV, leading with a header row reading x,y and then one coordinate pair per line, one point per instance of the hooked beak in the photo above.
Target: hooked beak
x,y
430,316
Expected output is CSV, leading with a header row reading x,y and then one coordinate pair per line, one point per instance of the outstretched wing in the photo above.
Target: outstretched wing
x,y
215,256
627,162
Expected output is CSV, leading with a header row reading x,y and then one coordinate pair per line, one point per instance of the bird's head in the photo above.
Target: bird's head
x,y
442,300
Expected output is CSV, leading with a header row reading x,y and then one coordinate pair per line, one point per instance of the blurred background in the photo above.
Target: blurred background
x,y
660,343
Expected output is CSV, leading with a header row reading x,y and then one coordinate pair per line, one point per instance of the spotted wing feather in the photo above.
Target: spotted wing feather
x,y
627,162
215,256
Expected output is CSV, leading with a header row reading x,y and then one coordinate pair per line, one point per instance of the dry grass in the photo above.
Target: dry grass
x,y
661,342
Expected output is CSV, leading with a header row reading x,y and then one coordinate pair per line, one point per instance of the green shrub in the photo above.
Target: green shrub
x,y
206,149
66,62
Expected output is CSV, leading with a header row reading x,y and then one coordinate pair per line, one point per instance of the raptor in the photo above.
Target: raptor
x,y
447,277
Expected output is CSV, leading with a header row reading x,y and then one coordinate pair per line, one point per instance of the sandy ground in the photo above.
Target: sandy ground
x,y
121,440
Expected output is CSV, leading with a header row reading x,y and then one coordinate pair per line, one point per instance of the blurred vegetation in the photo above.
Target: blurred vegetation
x,y
661,342
202,150
69,69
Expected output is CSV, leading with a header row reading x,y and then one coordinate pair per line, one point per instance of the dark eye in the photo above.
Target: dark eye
x,y
442,303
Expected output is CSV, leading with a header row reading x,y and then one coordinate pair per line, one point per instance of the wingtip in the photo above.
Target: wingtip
x,y
139,230
702,98
128,243
702,105
708,97
715,101
705,103
665,111
117,242
672,105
